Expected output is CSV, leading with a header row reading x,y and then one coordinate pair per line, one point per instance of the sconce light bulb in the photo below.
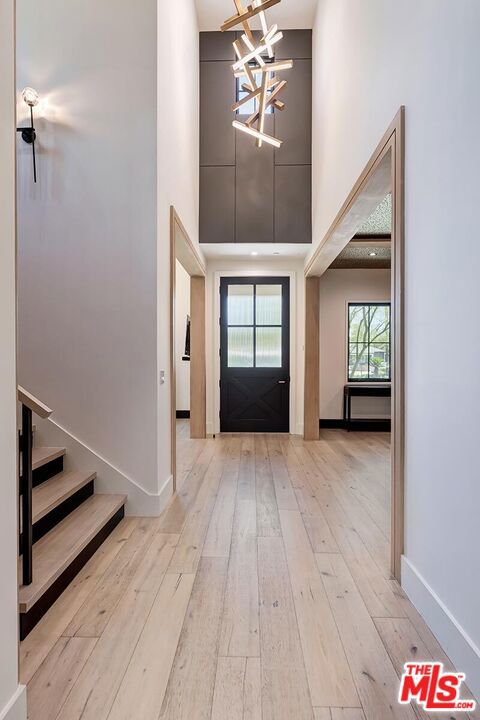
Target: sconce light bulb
x,y
30,96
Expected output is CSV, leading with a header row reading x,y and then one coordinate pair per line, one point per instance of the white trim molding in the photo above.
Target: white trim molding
x,y
460,648
110,479
16,708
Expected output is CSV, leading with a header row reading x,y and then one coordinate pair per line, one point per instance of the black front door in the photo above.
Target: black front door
x,y
254,354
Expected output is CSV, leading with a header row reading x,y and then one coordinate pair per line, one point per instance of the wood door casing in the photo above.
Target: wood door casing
x,y
198,372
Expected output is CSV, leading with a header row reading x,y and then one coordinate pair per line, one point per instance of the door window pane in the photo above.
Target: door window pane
x,y
240,347
269,304
268,350
240,304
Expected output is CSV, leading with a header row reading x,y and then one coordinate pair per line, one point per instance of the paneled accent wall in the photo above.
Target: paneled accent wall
x,y
249,194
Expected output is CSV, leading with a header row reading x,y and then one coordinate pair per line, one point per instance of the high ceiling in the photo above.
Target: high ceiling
x,y
289,14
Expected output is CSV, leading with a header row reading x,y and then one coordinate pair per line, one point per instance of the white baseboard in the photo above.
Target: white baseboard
x,y
110,479
460,648
16,708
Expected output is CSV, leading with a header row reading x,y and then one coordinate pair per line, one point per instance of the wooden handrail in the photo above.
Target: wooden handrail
x,y
31,402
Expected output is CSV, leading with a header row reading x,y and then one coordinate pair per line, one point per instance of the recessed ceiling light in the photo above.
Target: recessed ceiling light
x,y
254,252
373,254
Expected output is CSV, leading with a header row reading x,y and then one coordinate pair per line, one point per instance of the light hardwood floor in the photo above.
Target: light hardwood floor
x,y
262,593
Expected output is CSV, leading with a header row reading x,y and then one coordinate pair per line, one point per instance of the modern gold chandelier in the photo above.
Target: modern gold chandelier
x,y
256,65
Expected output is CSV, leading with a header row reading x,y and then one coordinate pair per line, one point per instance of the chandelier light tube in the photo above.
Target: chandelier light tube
x,y
256,134
256,63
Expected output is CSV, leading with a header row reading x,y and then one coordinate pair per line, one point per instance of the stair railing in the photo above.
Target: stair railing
x,y
30,405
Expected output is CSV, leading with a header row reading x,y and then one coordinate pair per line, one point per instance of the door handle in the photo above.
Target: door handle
x,y
282,382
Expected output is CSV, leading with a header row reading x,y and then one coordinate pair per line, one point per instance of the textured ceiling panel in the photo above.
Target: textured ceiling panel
x,y
353,257
380,221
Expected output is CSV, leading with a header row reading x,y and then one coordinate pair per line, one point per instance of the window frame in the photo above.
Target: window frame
x,y
376,303
239,91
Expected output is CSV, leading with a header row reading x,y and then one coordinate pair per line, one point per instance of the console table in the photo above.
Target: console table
x,y
362,389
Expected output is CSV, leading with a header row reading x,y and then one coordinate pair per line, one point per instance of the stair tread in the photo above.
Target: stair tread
x,y
56,550
43,455
50,494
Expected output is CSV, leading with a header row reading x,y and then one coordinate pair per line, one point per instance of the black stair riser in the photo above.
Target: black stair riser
x,y
48,522
44,473
29,619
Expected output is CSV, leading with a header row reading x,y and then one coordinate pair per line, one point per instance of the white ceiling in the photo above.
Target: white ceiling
x,y
243,251
288,14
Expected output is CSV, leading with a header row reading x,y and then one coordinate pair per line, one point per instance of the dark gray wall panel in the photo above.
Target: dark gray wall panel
x,y
217,204
217,46
217,93
293,204
295,44
294,124
254,189
237,200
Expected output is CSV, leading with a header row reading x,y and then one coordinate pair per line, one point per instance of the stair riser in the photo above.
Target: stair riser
x,y
48,522
44,473
29,619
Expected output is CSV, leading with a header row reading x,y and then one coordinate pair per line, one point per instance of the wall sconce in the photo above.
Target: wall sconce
x,y
30,98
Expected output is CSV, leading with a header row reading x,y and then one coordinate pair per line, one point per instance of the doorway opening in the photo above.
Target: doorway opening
x,y
255,354
182,364
187,345
371,367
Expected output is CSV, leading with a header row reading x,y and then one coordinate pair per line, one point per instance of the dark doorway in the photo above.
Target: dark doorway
x,y
254,354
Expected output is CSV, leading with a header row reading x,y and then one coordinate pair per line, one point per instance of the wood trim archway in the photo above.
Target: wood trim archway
x,y
387,164
183,250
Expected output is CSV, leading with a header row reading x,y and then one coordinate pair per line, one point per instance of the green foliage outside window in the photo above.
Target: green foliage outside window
x,y
369,342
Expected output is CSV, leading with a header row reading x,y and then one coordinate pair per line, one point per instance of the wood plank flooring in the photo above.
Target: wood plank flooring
x,y
263,592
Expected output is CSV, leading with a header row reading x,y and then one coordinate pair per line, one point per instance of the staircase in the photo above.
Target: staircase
x,y
65,520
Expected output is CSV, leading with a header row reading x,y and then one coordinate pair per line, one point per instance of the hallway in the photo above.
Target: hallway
x,y
262,593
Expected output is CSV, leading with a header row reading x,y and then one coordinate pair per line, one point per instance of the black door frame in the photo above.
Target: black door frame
x,y
285,281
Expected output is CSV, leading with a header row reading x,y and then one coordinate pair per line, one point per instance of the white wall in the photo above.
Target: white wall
x,y
337,289
12,697
369,58
94,232
87,230
178,169
182,309
257,266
